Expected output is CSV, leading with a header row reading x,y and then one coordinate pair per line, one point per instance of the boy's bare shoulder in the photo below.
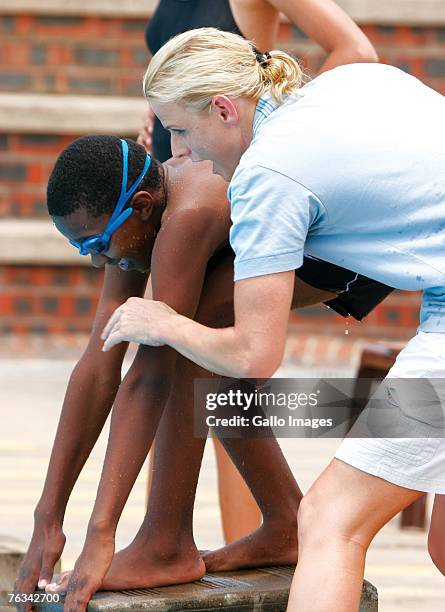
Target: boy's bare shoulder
x,y
195,225
197,204
193,185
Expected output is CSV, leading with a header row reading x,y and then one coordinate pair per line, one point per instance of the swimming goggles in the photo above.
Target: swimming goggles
x,y
99,243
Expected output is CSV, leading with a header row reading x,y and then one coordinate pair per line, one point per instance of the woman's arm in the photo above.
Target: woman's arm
x,y
252,348
326,23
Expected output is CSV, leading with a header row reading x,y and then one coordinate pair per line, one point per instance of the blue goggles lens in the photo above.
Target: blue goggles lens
x,y
101,242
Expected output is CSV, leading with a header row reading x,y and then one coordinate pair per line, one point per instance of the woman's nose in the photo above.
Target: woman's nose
x,y
179,147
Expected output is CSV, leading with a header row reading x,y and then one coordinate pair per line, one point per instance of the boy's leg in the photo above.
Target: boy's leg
x,y
436,535
316,281
240,513
163,551
167,527
335,531
262,461
265,470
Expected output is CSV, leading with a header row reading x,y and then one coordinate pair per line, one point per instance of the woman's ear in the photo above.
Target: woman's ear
x,y
225,109
142,203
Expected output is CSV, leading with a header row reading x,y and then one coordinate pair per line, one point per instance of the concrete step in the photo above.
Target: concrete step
x,y
256,589
36,242
12,552
60,114
364,11
105,8
34,128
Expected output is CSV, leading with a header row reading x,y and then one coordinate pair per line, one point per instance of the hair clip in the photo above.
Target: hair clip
x,y
262,58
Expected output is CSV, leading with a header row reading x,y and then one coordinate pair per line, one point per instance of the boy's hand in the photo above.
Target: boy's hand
x,y
89,572
36,570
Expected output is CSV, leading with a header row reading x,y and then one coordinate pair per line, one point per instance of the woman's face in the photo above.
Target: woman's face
x,y
212,134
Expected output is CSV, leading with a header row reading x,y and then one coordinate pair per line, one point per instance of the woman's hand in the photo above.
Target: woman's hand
x,y
138,320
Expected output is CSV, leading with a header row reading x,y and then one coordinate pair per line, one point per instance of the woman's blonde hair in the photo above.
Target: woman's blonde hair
x,y
193,67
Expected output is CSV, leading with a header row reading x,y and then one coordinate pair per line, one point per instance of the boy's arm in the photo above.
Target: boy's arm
x,y
186,242
179,262
90,394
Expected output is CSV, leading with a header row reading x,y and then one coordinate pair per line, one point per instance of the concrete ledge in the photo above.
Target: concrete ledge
x,y
105,8
12,552
259,590
56,114
36,242
416,12
396,12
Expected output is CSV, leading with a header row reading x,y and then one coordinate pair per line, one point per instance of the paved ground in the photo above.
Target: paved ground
x,y
30,398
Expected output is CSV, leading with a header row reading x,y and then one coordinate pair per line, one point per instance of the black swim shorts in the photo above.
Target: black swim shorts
x,y
357,295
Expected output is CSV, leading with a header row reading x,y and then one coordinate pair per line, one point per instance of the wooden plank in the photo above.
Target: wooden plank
x,y
392,12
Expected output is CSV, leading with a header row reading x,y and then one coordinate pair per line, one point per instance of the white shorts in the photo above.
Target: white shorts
x,y
414,463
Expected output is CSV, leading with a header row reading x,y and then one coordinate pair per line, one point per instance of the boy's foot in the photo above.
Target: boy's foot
x,y
135,567
265,546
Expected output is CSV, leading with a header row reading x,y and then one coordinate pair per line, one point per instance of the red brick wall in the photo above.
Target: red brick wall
x,y
417,50
89,55
50,299
107,57
97,56
26,161
55,299
79,55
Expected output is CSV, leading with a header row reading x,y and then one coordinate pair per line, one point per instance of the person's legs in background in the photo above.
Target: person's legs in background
x,y
240,513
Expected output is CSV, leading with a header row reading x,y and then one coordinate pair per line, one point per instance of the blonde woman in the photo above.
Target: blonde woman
x,y
349,168
322,21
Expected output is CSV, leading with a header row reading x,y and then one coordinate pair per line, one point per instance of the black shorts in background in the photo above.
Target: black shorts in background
x,y
357,294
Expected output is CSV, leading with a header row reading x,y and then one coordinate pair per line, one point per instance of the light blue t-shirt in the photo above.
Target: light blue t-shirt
x,y
353,172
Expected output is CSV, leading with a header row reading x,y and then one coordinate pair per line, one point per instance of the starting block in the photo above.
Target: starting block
x,y
265,589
